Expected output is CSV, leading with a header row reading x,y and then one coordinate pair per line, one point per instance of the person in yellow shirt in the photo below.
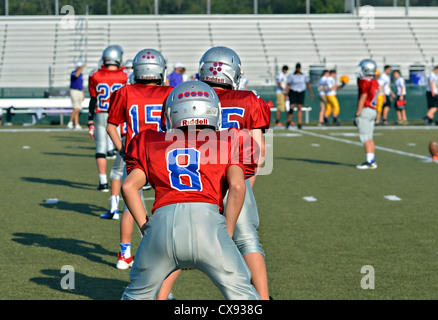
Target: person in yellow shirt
x,y
381,97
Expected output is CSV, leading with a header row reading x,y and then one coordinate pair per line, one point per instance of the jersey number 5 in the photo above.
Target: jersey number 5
x,y
183,166
152,117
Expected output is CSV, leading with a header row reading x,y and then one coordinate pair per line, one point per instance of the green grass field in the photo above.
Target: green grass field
x,y
314,250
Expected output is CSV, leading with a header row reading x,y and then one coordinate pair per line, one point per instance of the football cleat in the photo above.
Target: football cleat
x,y
124,263
367,165
110,215
103,187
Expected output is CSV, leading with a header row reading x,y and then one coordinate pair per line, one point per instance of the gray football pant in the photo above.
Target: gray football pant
x,y
245,234
100,134
365,125
189,235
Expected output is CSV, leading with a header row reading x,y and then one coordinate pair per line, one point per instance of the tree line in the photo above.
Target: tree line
x,y
99,7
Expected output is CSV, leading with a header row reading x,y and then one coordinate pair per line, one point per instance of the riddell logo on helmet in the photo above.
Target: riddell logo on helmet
x,y
191,122
216,79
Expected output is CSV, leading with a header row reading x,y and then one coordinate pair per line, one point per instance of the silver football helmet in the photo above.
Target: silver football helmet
x,y
193,103
221,65
149,64
113,55
128,63
366,67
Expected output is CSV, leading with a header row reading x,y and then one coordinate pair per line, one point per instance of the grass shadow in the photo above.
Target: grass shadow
x,y
314,161
59,182
84,208
88,250
94,288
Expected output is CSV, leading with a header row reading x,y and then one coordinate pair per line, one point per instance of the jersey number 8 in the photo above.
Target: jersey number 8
x,y
183,166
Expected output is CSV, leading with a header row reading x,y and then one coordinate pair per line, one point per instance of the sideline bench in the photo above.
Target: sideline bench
x,y
304,109
38,106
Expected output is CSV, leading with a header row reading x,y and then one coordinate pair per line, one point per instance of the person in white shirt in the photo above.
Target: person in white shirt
x,y
322,88
281,80
332,106
432,96
400,101
385,80
297,83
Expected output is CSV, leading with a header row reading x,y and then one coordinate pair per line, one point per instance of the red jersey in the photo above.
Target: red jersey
x,y
139,106
241,109
103,83
369,86
193,167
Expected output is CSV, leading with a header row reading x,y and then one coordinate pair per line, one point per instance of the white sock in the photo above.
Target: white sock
x,y
102,179
370,157
114,203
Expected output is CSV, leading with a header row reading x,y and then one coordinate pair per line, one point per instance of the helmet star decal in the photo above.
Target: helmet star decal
x,y
217,67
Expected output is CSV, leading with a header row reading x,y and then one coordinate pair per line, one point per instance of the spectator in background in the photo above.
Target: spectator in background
x,y
296,89
400,101
332,105
176,77
432,96
77,95
281,80
385,80
128,67
381,97
194,77
322,88
184,76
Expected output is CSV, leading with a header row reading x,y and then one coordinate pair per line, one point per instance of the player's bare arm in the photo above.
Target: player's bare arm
x,y
257,135
130,191
236,196
111,129
361,103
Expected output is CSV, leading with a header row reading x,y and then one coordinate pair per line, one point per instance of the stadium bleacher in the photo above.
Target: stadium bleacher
x,y
39,52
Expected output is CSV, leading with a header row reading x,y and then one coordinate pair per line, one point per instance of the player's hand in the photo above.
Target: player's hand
x,y
143,228
356,120
91,130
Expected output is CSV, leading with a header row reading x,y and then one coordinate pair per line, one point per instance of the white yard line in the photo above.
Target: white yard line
x,y
357,143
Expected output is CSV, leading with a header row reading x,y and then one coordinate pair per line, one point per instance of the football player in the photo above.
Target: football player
x,y
366,110
138,104
101,85
332,105
187,229
220,67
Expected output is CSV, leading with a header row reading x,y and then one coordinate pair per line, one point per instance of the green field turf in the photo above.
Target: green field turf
x,y
314,250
